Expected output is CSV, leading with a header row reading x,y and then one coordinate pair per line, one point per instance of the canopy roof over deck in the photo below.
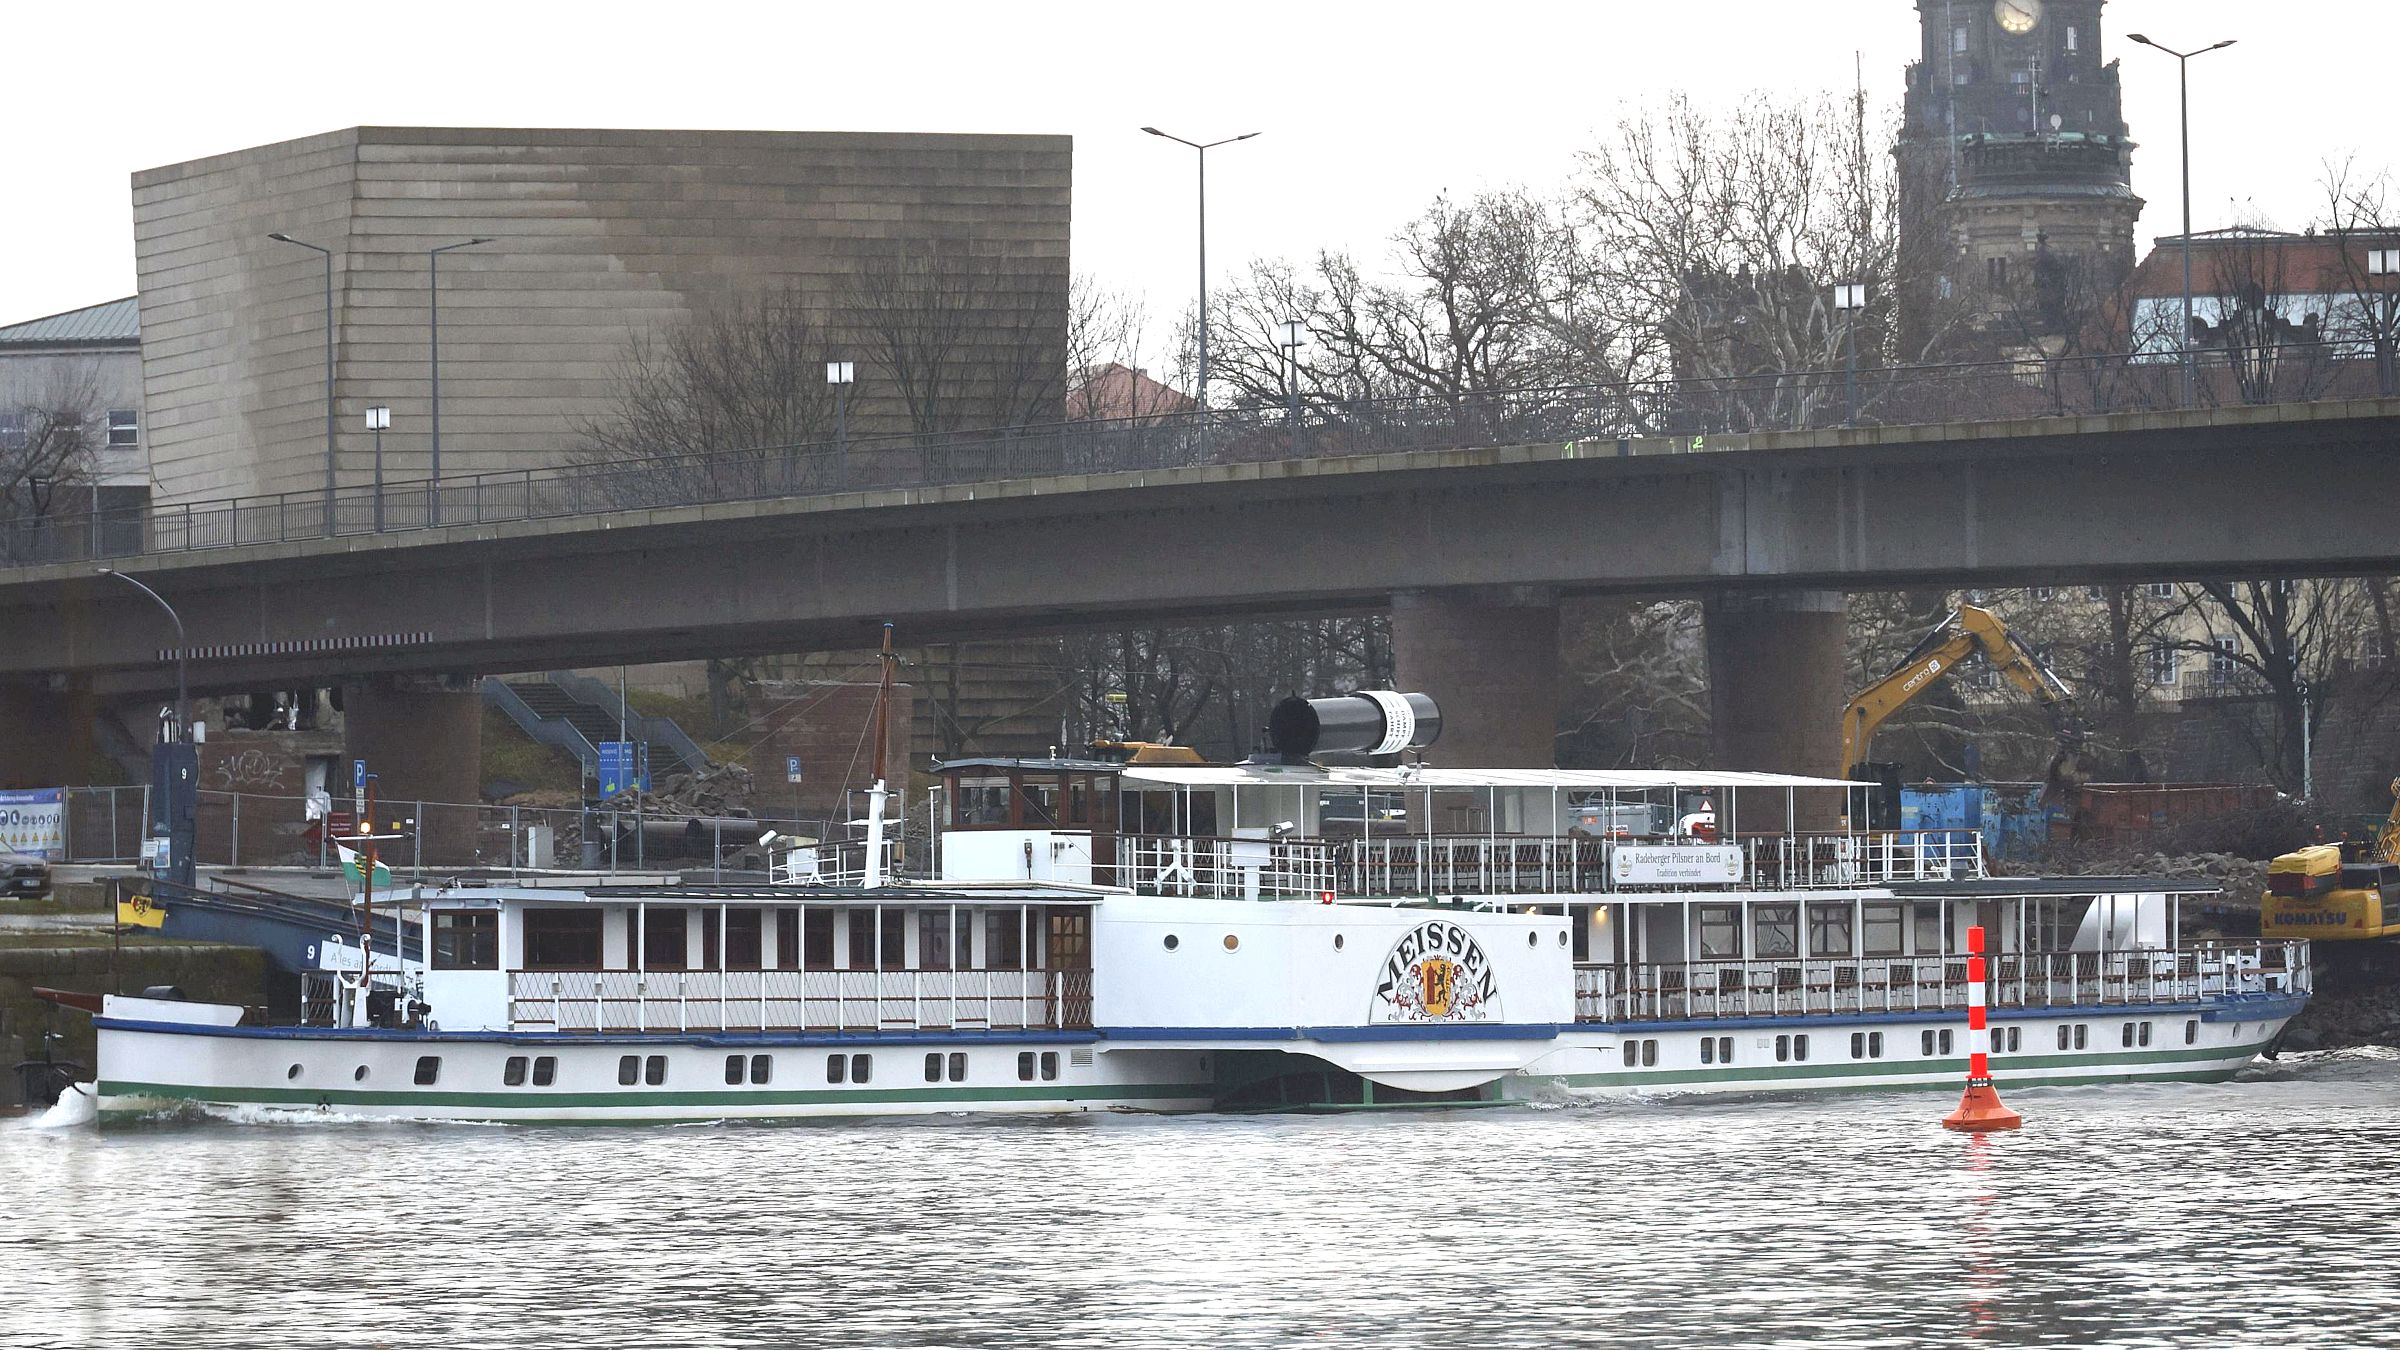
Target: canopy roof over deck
x,y
1402,779
2013,888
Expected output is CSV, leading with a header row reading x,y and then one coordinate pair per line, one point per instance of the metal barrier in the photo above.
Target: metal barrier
x,y
1675,991
594,1001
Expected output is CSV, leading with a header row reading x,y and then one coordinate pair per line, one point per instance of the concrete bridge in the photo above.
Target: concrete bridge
x,y
1469,548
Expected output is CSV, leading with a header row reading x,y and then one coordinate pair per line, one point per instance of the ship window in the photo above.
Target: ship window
x,y
1881,929
1944,1041
787,939
1783,1048
1775,931
933,1067
1929,929
2125,1035
1049,1065
2191,1031
1003,940
466,940
733,1069
1649,1054
933,939
2016,1039
894,947
629,1070
663,944
743,945
1800,1046
1874,1045
2062,1037
1172,942
359,1075
654,1070
545,1070
429,1068
816,938
1708,1049
983,801
1925,1044
1829,929
2080,1035
512,1074
837,1068
1025,1066
2142,1037
1720,931
292,1072
562,939
762,1069
862,1068
958,1066
1858,1045
1725,1049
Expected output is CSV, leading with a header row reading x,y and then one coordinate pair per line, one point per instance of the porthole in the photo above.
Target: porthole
x,y
1532,939
292,1072
360,1076
1232,943
1562,937
1337,942
1173,942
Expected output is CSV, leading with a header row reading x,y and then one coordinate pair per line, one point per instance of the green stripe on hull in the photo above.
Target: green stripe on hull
x,y
536,1100
2026,1070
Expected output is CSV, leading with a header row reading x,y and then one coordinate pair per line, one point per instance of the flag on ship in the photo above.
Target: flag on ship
x,y
350,870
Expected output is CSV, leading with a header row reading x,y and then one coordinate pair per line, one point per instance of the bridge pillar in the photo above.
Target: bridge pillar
x,y
1489,656
1776,684
46,736
423,739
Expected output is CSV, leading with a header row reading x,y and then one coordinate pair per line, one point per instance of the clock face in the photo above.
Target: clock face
x,y
2017,16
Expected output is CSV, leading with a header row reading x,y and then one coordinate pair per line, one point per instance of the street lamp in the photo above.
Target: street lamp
x,y
1849,298
841,375
379,420
1293,336
183,707
433,314
1203,150
282,238
2183,75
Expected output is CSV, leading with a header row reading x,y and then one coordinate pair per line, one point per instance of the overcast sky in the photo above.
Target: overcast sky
x,y
1366,111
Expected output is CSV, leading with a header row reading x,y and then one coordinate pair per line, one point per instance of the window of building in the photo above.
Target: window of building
x,y
862,939
512,1074
837,1068
629,1070
1775,931
654,1070
124,428
762,1069
958,1066
14,435
429,1068
545,1070
2221,664
1829,929
562,939
862,1068
1049,1066
2045,592
1025,1066
466,939
1881,928
2165,665
736,1068
1003,940
1958,39
663,942
2074,39
1996,271
744,938
2161,590
2094,594
1720,931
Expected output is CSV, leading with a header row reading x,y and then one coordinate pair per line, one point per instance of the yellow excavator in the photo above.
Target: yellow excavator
x,y
2329,893
1967,630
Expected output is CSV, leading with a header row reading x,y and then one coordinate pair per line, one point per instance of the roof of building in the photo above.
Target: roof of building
x,y
1113,392
118,321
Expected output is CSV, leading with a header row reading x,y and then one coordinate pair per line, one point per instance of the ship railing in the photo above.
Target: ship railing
x,y
1486,864
1827,986
321,992
608,1001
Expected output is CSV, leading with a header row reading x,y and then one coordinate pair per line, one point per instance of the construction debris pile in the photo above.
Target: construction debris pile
x,y
718,790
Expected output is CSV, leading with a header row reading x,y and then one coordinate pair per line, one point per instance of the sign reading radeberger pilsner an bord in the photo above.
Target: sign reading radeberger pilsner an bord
x,y
1671,864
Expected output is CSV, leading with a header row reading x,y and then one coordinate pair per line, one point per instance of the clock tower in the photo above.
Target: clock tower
x,y
2018,171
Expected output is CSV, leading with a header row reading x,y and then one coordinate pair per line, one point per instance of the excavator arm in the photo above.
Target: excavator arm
x,y
1966,631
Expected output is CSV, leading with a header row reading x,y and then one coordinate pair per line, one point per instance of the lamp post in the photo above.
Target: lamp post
x,y
1293,336
1202,149
1849,300
183,706
2183,76
282,238
433,333
379,420
841,375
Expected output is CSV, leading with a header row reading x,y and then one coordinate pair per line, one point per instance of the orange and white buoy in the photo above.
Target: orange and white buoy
x,y
1979,1110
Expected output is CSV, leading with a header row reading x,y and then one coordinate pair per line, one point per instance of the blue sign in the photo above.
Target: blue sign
x,y
358,774
791,768
34,821
621,767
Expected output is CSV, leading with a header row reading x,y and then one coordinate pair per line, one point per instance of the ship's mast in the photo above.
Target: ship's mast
x,y
880,792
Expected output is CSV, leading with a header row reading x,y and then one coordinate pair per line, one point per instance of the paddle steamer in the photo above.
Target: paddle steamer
x,y
1293,932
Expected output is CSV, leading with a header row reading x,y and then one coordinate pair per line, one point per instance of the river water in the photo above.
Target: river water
x,y
2263,1212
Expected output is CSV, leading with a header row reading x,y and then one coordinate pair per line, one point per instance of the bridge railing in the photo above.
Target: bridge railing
x,y
1689,407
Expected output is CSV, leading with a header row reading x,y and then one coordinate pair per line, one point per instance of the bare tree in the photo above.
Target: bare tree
x,y
935,323
49,449
2363,219
1637,685
2287,641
